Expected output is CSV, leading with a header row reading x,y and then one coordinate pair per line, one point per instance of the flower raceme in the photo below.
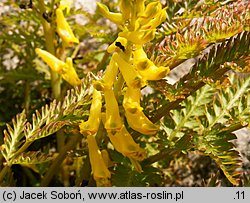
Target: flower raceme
x,y
66,70
129,63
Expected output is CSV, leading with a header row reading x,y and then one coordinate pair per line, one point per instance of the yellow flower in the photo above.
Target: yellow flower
x,y
124,143
134,114
54,63
100,171
113,121
66,70
65,4
69,73
146,68
140,123
114,17
130,75
110,73
90,127
63,29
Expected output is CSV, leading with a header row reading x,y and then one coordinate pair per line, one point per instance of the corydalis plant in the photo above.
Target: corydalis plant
x,y
198,113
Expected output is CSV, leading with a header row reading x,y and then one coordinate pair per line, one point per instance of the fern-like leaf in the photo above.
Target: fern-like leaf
x,y
229,104
217,145
52,118
44,123
32,158
13,136
192,107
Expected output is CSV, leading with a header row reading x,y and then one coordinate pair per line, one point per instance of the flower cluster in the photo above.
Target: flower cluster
x,y
65,69
130,69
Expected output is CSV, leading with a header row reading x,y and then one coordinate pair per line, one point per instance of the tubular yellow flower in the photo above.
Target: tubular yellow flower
x,y
134,114
130,75
64,30
90,127
146,68
54,63
66,70
100,171
113,121
114,17
69,73
140,123
124,143
154,72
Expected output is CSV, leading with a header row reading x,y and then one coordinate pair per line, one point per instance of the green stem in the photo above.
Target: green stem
x,y
161,155
55,166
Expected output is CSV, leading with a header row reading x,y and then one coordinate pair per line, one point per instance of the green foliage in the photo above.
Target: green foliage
x,y
51,119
